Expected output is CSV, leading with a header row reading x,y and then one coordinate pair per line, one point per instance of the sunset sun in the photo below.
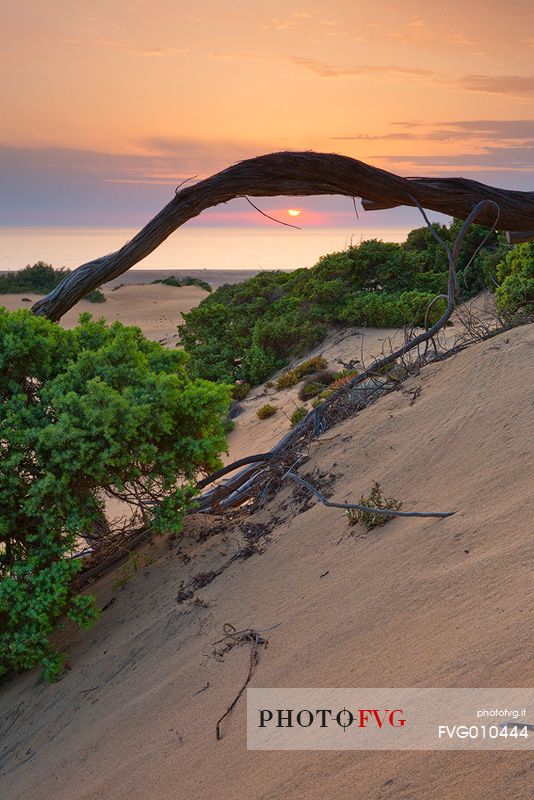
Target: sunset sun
x,y
294,212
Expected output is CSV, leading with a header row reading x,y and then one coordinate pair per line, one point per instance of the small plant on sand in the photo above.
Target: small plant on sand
x,y
297,415
136,561
340,379
266,411
96,296
375,499
292,376
240,390
316,383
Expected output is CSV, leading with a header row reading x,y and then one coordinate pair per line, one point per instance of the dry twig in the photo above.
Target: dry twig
x,y
233,637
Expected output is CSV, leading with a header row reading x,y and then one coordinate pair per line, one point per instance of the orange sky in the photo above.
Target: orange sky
x,y
108,104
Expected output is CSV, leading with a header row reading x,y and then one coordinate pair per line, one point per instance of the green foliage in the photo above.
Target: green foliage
x,y
515,274
311,389
240,390
316,383
292,376
40,278
259,362
187,281
375,499
84,412
391,310
298,415
339,379
249,330
228,425
96,296
266,411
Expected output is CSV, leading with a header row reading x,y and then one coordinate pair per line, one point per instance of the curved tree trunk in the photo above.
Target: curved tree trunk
x,y
296,174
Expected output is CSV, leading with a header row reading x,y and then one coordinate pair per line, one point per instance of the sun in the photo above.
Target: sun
x,y
293,212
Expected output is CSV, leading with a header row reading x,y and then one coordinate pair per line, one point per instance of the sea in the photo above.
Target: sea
x,y
189,248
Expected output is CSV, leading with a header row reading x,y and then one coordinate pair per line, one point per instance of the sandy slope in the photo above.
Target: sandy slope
x,y
358,347
416,603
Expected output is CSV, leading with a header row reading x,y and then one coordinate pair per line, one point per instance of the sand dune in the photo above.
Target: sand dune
x,y
155,308
415,603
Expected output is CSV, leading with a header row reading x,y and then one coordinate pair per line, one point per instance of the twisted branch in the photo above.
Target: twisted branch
x,y
295,174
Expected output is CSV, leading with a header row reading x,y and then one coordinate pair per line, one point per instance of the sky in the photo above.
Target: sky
x,y
107,105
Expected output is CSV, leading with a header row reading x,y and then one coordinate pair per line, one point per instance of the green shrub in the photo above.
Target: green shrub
x,y
341,378
324,395
266,411
298,415
293,376
344,376
375,499
515,275
228,425
310,390
187,281
316,383
388,310
258,363
40,278
86,412
96,296
286,380
249,330
240,390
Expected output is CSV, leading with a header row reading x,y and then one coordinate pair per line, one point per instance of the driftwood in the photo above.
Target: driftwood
x,y
386,512
297,174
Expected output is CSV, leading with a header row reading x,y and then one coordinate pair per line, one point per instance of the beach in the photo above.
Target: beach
x,y
135,300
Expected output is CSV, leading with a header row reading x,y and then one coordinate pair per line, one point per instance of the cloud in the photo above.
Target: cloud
x,y
459,39
67,186
326,70
512,158
419,31
131,48
501,128
415,29
495,130
510,85
242,56
514,85
369,137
